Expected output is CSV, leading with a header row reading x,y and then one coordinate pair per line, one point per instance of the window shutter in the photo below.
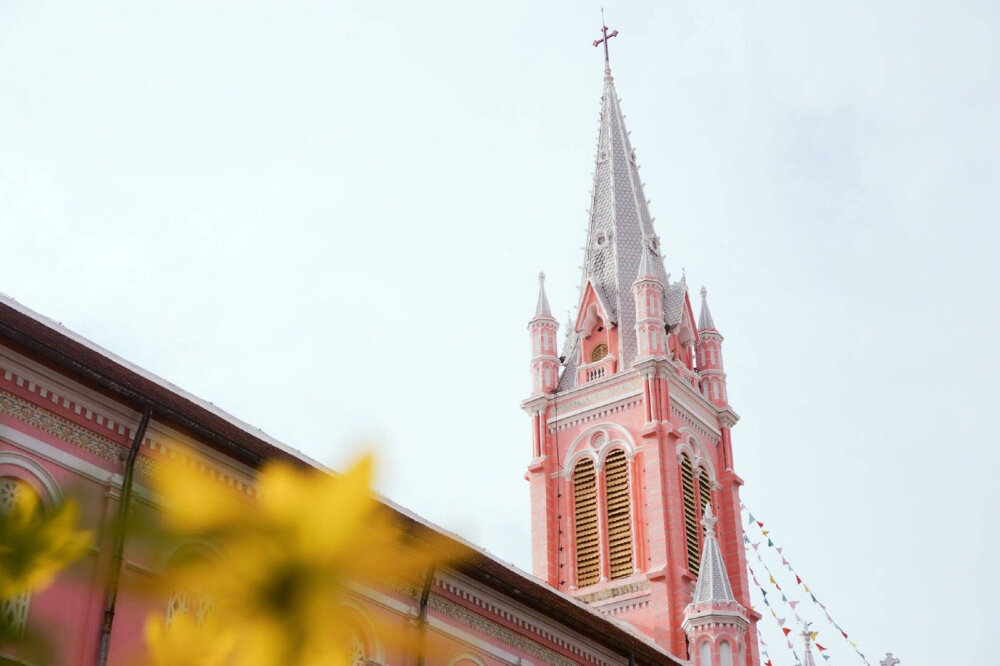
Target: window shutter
x,y
619,515
588,560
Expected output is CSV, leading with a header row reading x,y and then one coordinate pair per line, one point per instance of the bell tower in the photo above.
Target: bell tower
x,y
631,429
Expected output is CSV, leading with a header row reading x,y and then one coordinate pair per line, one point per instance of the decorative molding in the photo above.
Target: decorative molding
x,y
611,593
461,588
554,424
64,429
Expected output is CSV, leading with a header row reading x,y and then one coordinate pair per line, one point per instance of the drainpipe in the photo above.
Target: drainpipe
x,y
425,594
118,537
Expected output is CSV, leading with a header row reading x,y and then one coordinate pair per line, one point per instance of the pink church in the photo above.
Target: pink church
x,y
636,538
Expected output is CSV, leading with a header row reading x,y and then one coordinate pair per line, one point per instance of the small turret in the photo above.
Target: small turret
x,y
713,376
649,316
544,357
715,623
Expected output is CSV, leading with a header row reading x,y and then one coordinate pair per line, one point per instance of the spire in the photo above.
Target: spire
x,y
619,220
713,581
646,270
705,318
542,309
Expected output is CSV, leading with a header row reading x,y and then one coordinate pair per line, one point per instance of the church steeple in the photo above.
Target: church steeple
x,y
628,448
618,228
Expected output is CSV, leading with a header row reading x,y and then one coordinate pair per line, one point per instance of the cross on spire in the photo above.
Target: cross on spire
x,y
889,660
604,40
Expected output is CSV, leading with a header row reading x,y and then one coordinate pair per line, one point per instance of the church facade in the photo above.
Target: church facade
x,y
636,538
631,432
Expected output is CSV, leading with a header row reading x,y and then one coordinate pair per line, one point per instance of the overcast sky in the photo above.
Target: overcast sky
x,y
328,218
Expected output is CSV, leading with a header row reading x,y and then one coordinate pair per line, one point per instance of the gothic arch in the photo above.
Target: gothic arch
x,y
26,469
596,442
698,453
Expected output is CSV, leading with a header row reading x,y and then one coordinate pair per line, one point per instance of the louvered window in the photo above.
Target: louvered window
x,y
690,513
619,515
588,560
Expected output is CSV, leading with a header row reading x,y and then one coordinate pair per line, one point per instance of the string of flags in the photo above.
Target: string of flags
x,y
780,620
754,546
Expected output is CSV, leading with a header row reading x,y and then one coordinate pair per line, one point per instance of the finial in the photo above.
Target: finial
x,y
704,292
604,40
889,660
541,277
708,521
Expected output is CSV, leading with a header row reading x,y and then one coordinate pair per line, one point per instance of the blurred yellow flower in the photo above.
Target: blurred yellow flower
x,y
285,562
35,544
185,642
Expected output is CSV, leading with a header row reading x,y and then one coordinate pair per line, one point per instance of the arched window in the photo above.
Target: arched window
x,y
600,351
725,654
588,561
196,603
705,654
696,492
619,519
14,609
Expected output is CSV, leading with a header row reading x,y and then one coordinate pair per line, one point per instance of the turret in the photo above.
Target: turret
x,y
544,359
650,333
713,376
715,623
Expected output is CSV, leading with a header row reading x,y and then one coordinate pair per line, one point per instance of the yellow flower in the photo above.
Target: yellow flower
x,y
184,642
35,545
285,563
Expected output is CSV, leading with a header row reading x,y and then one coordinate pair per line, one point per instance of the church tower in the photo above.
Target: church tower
x,y
631,429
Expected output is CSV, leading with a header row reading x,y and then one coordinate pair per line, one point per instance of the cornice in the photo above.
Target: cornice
x,y
510,613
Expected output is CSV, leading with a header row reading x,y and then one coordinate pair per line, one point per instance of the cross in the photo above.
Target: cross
x,y
889,660
605,38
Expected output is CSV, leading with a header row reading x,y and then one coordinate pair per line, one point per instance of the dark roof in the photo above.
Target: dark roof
x,y
75,356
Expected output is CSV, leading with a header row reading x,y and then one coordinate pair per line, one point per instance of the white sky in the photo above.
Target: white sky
x,y
328,219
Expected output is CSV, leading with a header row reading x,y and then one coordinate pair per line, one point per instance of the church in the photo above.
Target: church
x,y
637,543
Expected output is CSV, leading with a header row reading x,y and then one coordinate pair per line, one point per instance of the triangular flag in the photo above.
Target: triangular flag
x,y
826,657
798,581
765,532
784,598
844,633
793,604
772,580
813,635
786,630
779,549
770,543
806,587
760,524
785,562
781,622
820,647
813,597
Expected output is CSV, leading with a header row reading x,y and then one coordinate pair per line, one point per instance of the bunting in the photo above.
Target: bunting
x,y
754,546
